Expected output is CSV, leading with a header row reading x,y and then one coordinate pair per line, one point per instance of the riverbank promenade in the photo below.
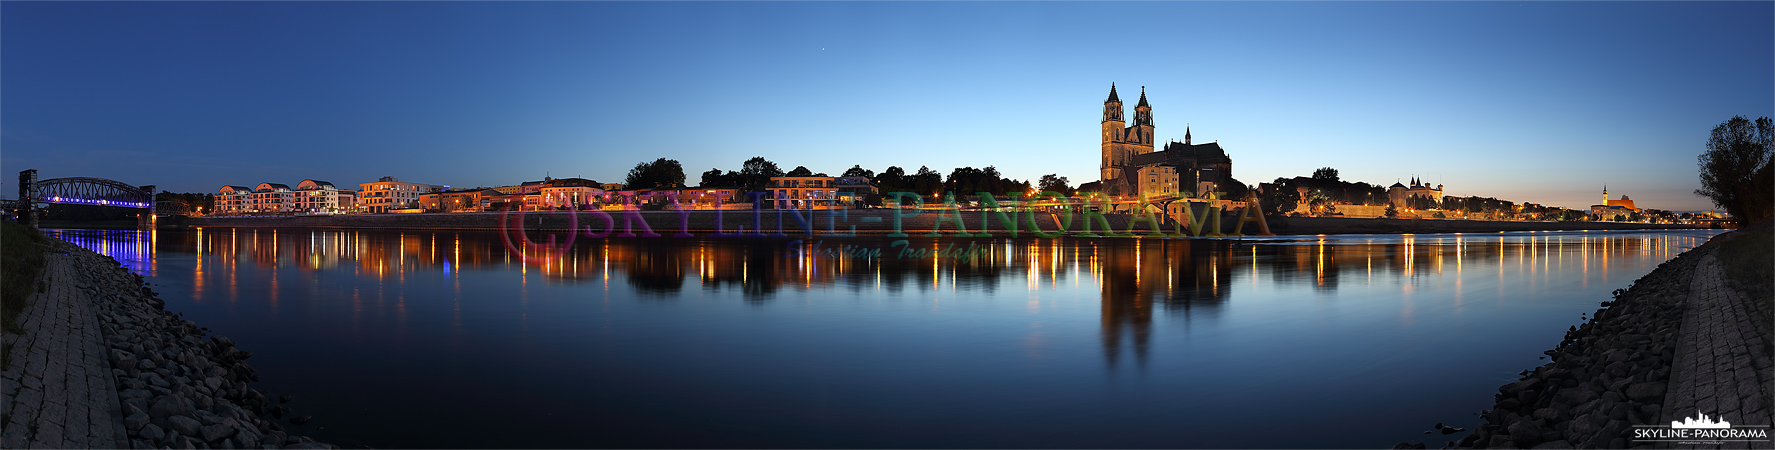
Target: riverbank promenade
x,y
101,364
1722,365
59,390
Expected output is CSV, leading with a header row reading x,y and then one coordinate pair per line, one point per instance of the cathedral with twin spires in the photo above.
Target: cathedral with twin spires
x,y
1120,143
1130,165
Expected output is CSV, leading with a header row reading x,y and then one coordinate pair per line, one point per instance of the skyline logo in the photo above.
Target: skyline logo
x,y
1700,421
1700,430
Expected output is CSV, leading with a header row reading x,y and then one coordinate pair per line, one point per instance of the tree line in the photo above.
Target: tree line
x,y
754,175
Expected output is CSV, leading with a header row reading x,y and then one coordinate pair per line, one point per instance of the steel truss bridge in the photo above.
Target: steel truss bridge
x,y
93,191
81,191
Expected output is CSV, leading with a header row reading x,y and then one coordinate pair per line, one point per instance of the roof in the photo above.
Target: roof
x,y
1112,94
573,182
1396,185
225,189
1143,98
1178,152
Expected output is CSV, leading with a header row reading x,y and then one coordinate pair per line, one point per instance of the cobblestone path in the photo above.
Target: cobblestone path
x,y
58,392
1722,364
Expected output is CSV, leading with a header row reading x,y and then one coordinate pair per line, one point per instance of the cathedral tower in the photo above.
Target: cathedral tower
x,y
1142,133
1112,134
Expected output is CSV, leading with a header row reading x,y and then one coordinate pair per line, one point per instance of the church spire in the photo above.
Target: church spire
x,y
1112,108
1186,134
1143,113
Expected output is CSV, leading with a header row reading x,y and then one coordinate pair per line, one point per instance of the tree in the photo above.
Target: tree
x,y
1317,201
1735,169
661,173
964,181
1056,183
1420,202
192,201
1325,173
892,180
859,171
1280,197
927,181
755,173
800,171
715,177
1392,212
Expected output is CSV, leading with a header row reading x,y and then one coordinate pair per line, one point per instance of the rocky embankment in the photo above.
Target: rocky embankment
x,y
178,387
1607,375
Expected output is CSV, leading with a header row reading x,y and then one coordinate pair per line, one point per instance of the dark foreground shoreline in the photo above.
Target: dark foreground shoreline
x,y
99,341
1659,351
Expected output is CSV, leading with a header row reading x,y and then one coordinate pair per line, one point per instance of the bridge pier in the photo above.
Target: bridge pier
x,y
148,221
27,196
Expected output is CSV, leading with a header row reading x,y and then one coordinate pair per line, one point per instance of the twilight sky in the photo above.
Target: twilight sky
x,y
1535,102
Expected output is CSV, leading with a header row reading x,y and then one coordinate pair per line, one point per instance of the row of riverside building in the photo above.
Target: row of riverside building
x,y
390,195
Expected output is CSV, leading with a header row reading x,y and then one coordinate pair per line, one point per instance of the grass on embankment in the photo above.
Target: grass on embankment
x,y
1750,262
21,269
1749,266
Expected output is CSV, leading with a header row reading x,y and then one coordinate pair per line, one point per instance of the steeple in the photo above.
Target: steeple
x,y
1143,113
1112,108
1186,134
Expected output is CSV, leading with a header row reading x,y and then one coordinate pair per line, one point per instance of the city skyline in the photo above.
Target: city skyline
x,y
1541,103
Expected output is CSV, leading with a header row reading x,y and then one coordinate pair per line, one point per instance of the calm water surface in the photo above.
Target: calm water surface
x,y
445,339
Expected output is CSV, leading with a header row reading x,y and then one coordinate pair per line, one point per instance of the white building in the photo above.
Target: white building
x,y
804,192
273,198
314,196
233,200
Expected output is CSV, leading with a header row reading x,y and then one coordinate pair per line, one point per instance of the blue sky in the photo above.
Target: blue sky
x,y
1537,102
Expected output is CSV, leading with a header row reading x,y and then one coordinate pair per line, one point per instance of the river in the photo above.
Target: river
x,y
447,339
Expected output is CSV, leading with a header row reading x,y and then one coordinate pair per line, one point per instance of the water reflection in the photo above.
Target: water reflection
x,y
1191,277
134,250
1331,306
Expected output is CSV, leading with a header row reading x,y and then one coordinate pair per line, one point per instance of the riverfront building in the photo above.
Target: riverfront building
x,y
273,198
309,196
1400,195
389,193
571,193
463,200
1609,209
233,200
315,196
804,193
